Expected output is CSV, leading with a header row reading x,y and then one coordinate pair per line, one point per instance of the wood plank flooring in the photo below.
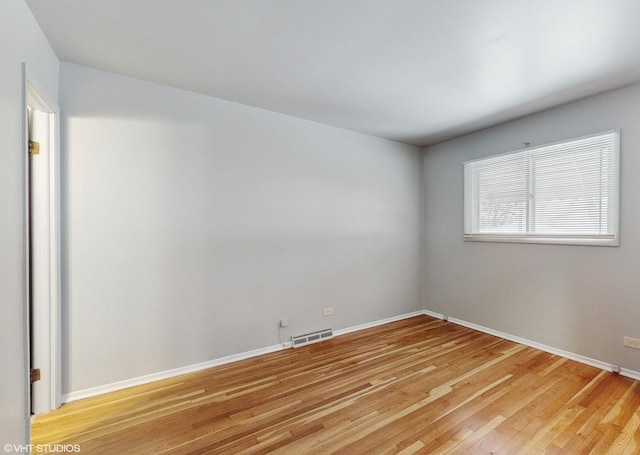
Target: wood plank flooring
x,y
420,385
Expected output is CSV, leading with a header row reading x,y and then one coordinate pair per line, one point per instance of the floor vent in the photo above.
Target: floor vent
x,y
311,337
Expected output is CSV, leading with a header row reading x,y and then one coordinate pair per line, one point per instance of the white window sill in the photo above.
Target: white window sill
x,y
601,240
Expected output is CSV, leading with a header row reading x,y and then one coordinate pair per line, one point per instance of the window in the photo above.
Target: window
x,y
565,192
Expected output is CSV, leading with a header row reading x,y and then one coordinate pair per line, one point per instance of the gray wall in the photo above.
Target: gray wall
x,y
193,224
577,298
20,41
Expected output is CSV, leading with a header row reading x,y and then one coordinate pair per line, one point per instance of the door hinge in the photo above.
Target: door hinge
x,y
35,375
34,148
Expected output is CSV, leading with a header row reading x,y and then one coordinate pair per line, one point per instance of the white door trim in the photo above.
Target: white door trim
x,y
34,96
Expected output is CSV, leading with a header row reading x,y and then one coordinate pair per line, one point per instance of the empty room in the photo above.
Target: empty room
x,y
305,227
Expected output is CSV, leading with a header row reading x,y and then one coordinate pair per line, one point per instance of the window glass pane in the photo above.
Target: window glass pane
x,y
571,193
565,192
502,197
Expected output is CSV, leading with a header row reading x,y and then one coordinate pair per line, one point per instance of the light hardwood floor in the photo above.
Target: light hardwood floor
x,y
420,385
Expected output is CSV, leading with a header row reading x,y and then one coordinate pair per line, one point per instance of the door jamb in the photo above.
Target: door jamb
x,y
32,93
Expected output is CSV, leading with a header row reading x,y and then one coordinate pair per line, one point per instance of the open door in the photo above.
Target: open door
x,y
43,255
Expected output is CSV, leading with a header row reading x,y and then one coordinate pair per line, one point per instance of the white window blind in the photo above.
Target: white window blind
x,y
565,192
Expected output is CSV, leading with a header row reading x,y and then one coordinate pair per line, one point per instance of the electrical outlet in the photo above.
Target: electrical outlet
x,y
284,321
632,342
327,311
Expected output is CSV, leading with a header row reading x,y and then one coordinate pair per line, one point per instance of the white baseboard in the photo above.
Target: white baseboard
x,y
434,314
630,373
112,387
534,344
99,390
368,325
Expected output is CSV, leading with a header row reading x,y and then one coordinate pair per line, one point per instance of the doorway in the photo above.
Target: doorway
x,y
43,247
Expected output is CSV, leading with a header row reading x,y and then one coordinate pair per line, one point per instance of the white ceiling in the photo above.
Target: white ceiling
x,y
416,71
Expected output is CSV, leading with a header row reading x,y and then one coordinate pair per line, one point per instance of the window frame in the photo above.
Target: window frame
x,y
613,214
